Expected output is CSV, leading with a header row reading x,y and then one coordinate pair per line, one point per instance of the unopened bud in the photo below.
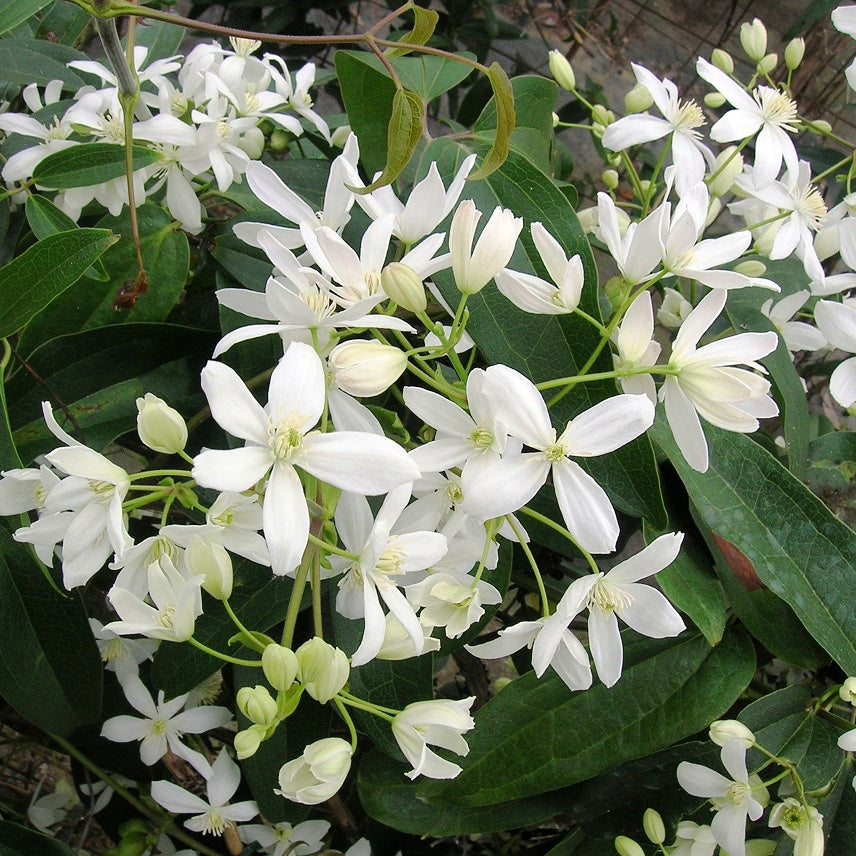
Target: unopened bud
x,y
252,142
761,847
652,823
751,268
848,691
366,367
609,177
753,39
674,309
340,136
212,561
625,846
561,70
714,100
248,741
600,115
645,186
160,427
279,140
280,666
556,120
725,730
257,704
722,60
402,285
794,53
727,166
768,63
322,669
819,126
638,99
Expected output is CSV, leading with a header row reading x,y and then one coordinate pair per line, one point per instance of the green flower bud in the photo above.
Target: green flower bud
x,y
652,823
722,60
366,367
820,126
160,427
252,141
279,140
645,186
714,100
751,268
753,39
340,136
556,119
794,53
322,669
600,115
257,704
638,99
848,691
212,561
280,666
727,166
625,846
768,63
725,730
609,177
248,741
402,285
561,70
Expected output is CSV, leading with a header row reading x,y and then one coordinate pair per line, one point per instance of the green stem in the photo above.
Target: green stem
x,y
249,640
296,597
343,712
387,713
518,531
557,527
221,656
331,548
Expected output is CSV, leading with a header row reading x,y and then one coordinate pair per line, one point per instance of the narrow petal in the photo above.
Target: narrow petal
x,y
606,649
232,404
607,425
231,469
297,388
586,508
286,519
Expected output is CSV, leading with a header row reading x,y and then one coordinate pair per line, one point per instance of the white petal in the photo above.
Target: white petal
x,y
286,519
232,404
586,508
606,649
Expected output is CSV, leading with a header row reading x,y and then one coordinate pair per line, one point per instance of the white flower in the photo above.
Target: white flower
x,y
693,840
635,249
733,798
634,339
706,382
279,438
680,119
120,655
474,268
283,839
318,773
802,823
837,321
452,601
798,335
844,20
437,723
162,724
215,815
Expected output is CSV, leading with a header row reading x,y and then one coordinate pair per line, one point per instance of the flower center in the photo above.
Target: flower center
x,y
689,116
113,650
776,108
481,438
811,206
372,281
283,831
736,793
166,617
215,823
454,492
392,558
158,726
285,440
321,304
554,453
608,598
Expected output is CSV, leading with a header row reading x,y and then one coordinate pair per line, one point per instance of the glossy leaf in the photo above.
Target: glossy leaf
x,y
50,668
424,22
20,841
545,347
161,38
839,814
505,120
536,736
797,547
15,12
88,164
25,61
35,278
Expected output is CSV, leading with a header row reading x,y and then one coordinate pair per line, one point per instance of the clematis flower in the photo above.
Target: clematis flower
x,y
634,340
706,382
280,438
798,335
837,321
214,815
437,723
318,773
734,799
285,839
635,249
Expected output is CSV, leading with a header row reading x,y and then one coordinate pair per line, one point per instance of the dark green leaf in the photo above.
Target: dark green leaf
x,y
839,814
17,840
25,61
50,668
88,164
15,12
65,23
832,473
797,547
161,38
35,278
536,736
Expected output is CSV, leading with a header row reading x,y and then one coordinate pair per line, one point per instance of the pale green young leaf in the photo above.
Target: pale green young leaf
x,y
505,121
424,22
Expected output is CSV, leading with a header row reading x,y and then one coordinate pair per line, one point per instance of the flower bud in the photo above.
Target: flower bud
x,y
725,730
340,136
760,847
625,846
212,561
751,268
652,823
280,666
794,53
674,308
279,140
753,39
257,704
318,773
722,60
727,166
768,63
638,99
402,285
645,186
248,741
556,119
609,177
819,126
600,115
160,427
252,142
714,100
322,669
366,367
848,691
561,70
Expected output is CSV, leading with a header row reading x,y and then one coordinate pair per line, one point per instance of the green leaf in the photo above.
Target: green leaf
x,y
64,22
783,726
46,219
161,38
20,841
541,347
36,277
25,61
536,736
424,22
839,814
505,120
389,797
15,12
832,473
88,164
259,599
404,131
797,547
50,668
